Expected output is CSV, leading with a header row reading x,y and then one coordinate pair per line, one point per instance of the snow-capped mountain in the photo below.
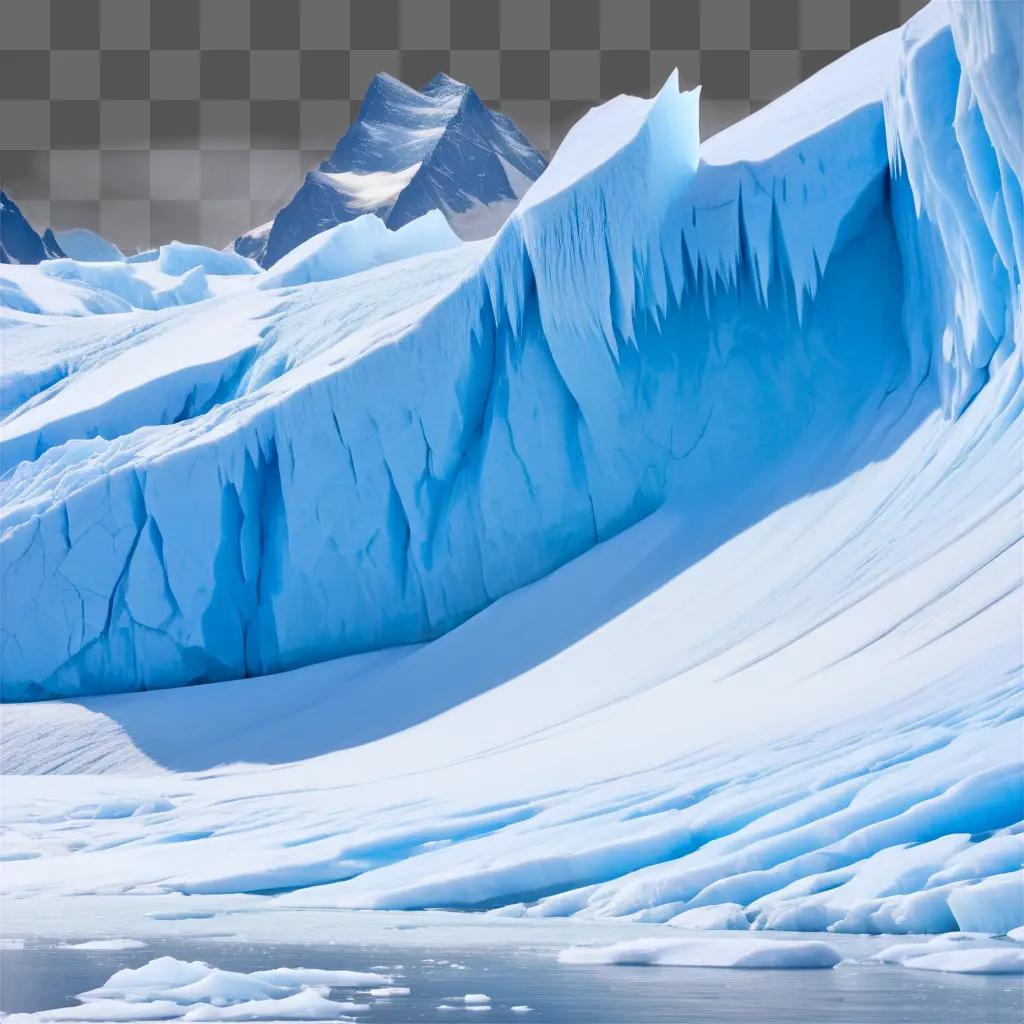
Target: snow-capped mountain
x,y
19,242
668,543
409,153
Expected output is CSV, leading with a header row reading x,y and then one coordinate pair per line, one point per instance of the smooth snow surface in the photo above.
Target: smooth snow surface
x,y
668,546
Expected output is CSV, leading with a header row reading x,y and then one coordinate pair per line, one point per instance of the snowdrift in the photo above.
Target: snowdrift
x,y
747,420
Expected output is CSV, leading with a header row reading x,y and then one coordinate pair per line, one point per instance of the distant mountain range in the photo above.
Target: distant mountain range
x,y
407,153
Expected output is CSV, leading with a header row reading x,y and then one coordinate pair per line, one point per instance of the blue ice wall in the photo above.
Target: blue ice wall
x,y
645,325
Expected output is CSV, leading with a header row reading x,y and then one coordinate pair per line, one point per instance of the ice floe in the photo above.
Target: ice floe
x,y
739,953
171,989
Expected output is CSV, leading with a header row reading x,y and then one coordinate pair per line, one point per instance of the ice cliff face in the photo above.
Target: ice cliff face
x,y
409,153
358,464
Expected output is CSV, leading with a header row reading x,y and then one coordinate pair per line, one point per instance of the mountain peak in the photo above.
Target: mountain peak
x,y
444,83
408,152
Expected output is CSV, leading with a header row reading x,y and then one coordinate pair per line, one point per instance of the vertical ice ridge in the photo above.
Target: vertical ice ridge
x,y
950,114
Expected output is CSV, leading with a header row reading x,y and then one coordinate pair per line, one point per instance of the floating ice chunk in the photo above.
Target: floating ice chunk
x,y
721,917
162,973
109,1010
190,982
222,987
309,1004
170,989
521,1009
985,960
388,991
750,953
959,952
130,1011
472,1001
358,245
904,951
296,976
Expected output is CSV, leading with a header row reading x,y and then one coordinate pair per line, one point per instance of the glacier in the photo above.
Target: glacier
x,y
657,559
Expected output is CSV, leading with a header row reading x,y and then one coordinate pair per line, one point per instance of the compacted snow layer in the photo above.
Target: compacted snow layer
x,y
747,442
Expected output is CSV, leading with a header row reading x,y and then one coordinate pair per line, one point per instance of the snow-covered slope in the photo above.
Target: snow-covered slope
x,y
408,153
358,245
177,275
789,690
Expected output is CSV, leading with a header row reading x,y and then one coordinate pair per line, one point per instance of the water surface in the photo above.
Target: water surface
x,y
42,976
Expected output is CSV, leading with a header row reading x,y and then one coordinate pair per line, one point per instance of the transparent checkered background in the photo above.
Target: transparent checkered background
x,y
148,120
